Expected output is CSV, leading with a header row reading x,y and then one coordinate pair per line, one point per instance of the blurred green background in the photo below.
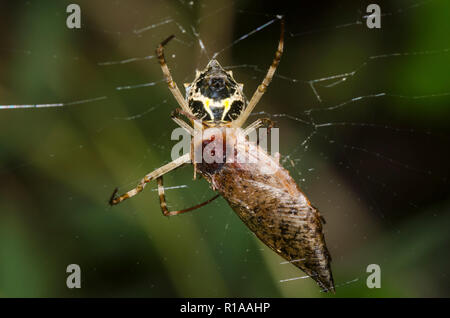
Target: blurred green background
x,y
377,168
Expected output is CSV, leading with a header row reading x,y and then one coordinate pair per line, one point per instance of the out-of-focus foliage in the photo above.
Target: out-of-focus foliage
x,y
383,190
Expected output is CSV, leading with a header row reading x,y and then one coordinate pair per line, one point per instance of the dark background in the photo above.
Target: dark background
x,y
377,168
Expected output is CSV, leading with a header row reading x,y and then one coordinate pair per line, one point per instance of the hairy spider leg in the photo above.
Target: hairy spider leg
x,y
170,82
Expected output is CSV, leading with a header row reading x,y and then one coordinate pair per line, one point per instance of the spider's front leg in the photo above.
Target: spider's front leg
x,y
149,177
170,82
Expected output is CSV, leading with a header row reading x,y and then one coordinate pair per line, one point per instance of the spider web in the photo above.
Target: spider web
x,y
363,118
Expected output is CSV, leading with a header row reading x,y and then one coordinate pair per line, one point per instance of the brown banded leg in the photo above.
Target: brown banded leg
x,y
172,85
265,83
162,201
151,176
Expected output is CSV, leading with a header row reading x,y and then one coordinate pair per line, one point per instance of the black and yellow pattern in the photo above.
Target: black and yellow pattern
x,y
214,96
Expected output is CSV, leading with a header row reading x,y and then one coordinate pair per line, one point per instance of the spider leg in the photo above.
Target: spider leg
x,y
172,85
176,117
162,200
258,123
178,112
265,83
149,177
196,122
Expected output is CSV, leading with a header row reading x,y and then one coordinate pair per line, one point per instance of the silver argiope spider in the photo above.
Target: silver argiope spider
x,y
270,203
217,103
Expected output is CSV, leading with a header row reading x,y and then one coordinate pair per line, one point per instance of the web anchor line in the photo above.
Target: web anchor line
x,y
84,101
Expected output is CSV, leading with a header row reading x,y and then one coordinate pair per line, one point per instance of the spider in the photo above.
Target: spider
x,y
262,193
215,99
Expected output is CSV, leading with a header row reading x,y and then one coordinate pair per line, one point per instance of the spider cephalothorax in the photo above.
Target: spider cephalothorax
x,y
214,96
